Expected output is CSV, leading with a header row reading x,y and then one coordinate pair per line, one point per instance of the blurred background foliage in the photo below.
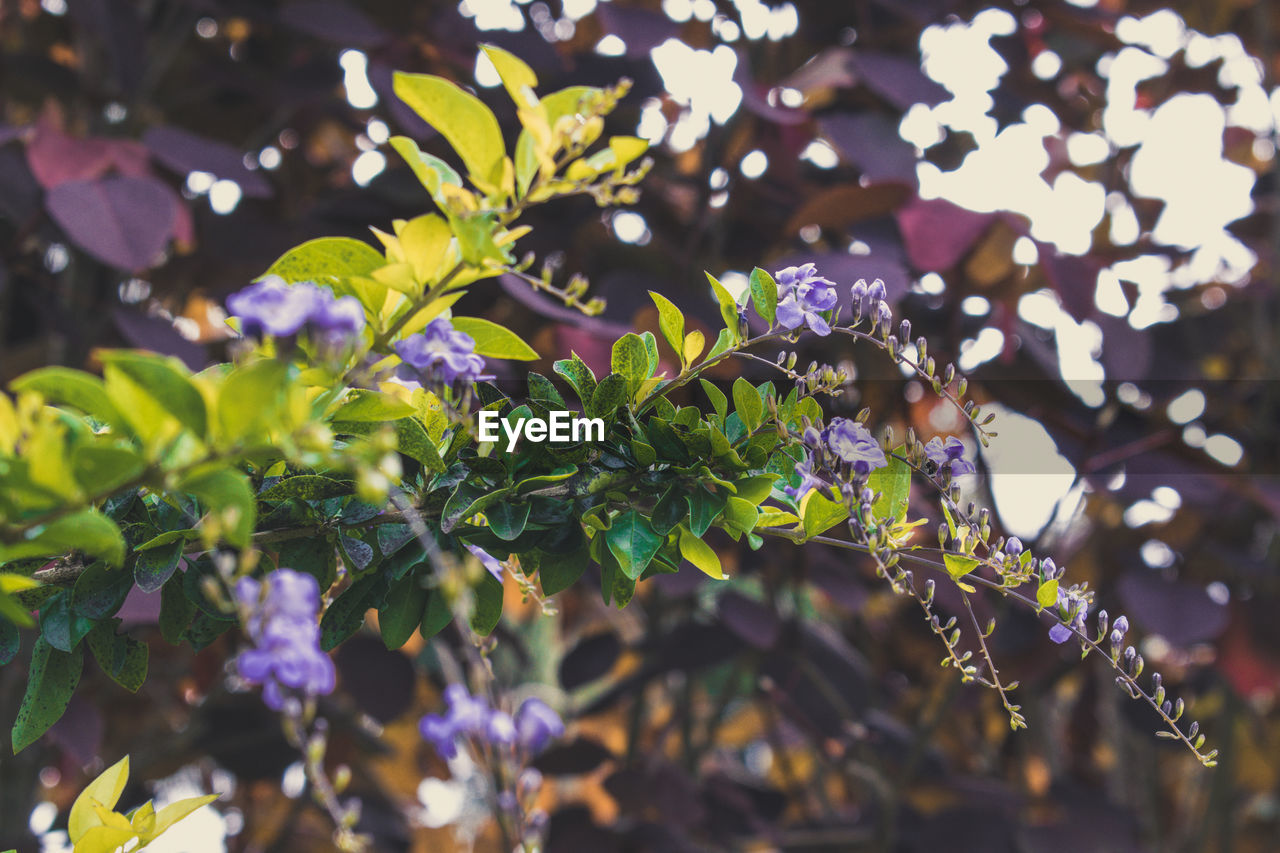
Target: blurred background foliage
x,y
1077,203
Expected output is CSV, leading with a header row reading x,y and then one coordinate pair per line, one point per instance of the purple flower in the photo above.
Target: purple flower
x,y
807,479
274,307
802,294
1073,606
537,724
471,717
286,658
852,442
487,560
442,352
949,453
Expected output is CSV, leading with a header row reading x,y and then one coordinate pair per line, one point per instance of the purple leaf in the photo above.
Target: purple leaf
x,y
640,29
755,97
898,80
937,233
1074,277
1181,612
124,222
871,142
333,21
185,152
55,157
158,335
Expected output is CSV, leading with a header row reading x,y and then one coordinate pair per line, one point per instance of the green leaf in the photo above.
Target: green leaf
x,y
644,453
746,401
99,592
669,511
764,295
429,169
818,514
228,494
670,322
494,341
176,611
251,399
718,400
76,388
612,392
462,119
507,520
704,508
958,565
740,516
121,657
155,566
101,468
327,260
165,380
702,555
725,341
436,615
576,372
1047,594
60,626
488,605
51,681
558,572
631,361
10,641
346,614
633,541
755,489
365,406
402,613
307,487
86,530
893,482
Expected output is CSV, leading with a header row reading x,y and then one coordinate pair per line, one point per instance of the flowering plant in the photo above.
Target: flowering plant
x,y
333,467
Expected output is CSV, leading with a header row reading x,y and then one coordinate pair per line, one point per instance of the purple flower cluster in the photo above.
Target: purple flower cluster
x,y
949,454
853,443
442,353
274,307
844,440
532,728
802,295
286,658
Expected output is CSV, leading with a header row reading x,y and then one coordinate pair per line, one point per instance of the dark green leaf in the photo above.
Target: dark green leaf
x,y
176,611
99,592
436,615
488,605
558,572
612,392
155,566
120,656
10,641
669,511
345,616
633,542
403,610
307,487
508,520
576,372
51,681
60,626
704,508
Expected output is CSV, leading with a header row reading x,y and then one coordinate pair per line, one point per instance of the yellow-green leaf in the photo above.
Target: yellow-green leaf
x,y
700,554
103,791
462,119
1047,594
494,341
174,812
959,565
